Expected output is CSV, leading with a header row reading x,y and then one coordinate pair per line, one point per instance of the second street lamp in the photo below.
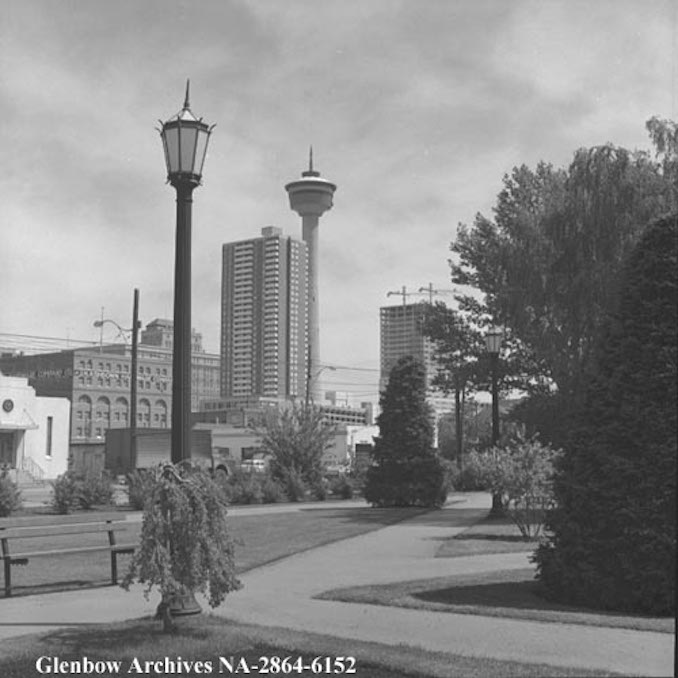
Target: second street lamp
x,y
184,139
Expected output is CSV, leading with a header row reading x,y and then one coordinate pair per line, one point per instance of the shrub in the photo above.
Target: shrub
x,y
520,473
95,490
295,487
185,543
406,470
272,491
10,497
140,484
342,486
612,535
246,488
66,493
321,490
465,479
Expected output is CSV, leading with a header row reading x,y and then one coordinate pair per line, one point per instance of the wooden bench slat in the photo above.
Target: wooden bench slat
x,y
60,530
78,549
76,518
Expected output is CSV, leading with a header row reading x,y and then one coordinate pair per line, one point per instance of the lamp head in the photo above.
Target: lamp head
x,y
493,340
184,139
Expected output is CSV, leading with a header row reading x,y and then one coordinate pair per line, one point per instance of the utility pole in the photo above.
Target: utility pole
x,y
133,383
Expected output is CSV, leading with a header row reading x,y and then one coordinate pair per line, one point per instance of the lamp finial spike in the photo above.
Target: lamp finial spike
x,y
187,105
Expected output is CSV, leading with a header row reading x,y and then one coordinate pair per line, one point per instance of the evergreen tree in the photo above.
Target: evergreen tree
x,y
612,541
406,470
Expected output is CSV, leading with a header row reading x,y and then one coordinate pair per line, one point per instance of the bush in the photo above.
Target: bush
x,y
246,488
95,490
342,486
466,479
612,535
520,473
272,491
10,497
66,493
295,487
140,484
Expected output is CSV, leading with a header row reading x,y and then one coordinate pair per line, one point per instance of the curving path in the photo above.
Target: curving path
x,y
281,595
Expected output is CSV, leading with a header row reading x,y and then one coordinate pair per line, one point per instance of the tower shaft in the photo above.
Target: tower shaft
x,y
309,225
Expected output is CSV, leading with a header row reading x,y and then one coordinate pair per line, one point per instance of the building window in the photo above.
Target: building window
x,y
48,450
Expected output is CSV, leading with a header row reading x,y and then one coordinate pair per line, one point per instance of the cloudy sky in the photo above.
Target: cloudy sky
x,y
415,109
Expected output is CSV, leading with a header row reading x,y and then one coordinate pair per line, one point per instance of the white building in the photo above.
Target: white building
x,y
33,432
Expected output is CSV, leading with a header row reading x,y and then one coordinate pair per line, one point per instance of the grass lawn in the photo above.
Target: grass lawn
x,y
507,593
206,638
488,536
260,539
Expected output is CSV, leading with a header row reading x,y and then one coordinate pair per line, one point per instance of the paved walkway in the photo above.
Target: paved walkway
x,y
281,595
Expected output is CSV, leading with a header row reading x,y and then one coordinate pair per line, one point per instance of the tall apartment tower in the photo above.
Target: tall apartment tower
x,y
400,335
264,306
310,197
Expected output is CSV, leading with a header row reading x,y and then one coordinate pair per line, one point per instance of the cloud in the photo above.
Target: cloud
x,y
415,110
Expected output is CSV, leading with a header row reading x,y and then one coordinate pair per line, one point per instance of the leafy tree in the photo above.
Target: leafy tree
x,y
296,437
456,344
185,544
548,261
612,541
406,470
463,365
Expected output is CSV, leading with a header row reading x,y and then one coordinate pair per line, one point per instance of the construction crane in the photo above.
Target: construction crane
x,y
430,291
422,290
402,293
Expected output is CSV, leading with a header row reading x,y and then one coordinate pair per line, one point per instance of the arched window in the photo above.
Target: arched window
x,y
120,412
160,414
144,413
83,412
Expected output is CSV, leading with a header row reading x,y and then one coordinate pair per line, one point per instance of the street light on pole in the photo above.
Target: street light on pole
x,y
493,340
133,373
184,139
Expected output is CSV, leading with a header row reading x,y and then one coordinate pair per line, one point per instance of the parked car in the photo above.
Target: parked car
x,y
253,465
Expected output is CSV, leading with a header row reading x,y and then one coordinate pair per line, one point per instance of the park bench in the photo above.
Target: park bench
x,y
12,530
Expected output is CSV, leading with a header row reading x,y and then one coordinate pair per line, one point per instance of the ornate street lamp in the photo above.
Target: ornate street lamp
x,y
493,340
184,139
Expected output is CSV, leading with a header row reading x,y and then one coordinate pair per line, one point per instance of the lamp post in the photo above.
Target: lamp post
x,y
493,340
184,139
133,374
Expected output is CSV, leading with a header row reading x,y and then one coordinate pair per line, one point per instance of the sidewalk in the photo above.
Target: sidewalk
x,y
281,595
